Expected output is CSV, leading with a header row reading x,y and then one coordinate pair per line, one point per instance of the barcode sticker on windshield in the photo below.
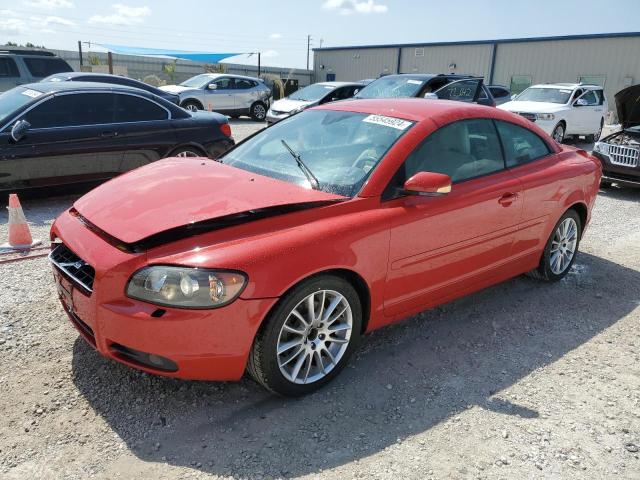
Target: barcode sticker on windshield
x,y
32,93
414,82
388,122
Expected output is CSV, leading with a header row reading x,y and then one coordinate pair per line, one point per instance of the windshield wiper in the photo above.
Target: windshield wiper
x,y
307,173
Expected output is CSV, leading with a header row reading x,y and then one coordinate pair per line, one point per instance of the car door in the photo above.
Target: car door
x,y
530,159
65,143
443,245
143,130
245,93
591,113
219,95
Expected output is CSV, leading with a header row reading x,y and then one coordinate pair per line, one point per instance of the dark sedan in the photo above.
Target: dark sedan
x,y
462,88
114,79
61,133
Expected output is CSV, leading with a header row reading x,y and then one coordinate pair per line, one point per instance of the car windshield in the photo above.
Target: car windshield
x,y
199,81
15,98
549,95
312,93
340,149
392,87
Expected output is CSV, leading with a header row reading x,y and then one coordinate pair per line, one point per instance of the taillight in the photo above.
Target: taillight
x,y
225,128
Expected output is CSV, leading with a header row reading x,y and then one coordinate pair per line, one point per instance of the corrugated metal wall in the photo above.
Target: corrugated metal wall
x,y
349,65
139,67
471,59
617,59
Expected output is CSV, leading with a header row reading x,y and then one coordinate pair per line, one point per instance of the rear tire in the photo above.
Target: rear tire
x,y
558,133
596,136
188,151
561,249
258,111
293,354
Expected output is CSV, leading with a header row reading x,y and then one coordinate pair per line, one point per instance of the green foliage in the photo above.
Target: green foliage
x,y
170,70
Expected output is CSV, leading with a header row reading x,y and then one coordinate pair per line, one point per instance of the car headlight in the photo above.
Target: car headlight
x,y
297,110
186,287
601,147
545,116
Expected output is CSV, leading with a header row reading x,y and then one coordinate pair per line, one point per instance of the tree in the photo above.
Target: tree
x,y
170,70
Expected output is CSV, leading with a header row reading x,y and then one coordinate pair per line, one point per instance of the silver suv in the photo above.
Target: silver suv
x,y
233,95
18,67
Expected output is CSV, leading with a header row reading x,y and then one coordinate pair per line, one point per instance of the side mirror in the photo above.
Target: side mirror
x,y
428,183
213,86
431,96
19,130
581,102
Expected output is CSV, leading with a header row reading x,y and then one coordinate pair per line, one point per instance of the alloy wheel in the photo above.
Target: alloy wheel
x,y
191,107
187,153
563,246
314,337
558,134
259,112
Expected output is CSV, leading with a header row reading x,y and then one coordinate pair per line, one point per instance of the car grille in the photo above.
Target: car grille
x,y
78,271
529,116
624,156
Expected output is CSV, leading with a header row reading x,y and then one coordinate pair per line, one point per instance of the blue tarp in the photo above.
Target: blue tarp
x,y
205,57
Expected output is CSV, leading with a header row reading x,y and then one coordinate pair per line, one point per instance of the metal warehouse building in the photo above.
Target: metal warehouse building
x,y
611,60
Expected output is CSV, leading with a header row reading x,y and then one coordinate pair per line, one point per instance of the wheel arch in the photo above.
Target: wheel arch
x,y
583,212
192,99
353,278
191,145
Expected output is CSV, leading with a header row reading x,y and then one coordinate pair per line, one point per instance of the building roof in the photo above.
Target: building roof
x,y
481,42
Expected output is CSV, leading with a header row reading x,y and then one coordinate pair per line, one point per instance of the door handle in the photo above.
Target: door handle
x,y
109,134
507,199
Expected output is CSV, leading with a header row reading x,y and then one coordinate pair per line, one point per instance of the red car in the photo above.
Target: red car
x,y
327,225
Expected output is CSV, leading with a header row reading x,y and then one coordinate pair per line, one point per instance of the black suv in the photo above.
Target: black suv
x,y
462,88
61,133
18,67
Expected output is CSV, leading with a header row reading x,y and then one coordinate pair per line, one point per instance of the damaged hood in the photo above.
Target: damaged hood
x,y
179,197
628,106
175,89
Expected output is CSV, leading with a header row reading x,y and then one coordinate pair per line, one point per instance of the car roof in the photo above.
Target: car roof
x,y
52,87
90,74
232,75
340,84
426,76
568,85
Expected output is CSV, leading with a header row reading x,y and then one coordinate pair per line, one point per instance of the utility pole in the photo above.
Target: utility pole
x,y
308,49
80,53
258,64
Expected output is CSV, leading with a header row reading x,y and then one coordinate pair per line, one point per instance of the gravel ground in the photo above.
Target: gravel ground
x,y
521,380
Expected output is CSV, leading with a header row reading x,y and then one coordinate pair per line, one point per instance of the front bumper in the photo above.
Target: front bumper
x,y
201,344
273,117
623,175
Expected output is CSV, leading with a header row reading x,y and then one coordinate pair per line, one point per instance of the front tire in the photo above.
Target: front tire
x,y
258,111
561,249
308,338
559,132
191,105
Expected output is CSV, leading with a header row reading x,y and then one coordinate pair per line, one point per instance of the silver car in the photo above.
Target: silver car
x,y
233,95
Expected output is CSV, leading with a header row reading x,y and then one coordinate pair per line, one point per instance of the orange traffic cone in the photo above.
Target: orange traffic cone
x,y
19,234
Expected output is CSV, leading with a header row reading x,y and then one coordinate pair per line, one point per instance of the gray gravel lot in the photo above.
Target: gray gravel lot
x,y
521,380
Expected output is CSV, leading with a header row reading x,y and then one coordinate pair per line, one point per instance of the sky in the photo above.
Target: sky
x,y
279,29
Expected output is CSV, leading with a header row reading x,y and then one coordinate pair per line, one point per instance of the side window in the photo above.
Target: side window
x,y
576,95
43,67
520,145
591,98
130,108
72,110
463,150
461,91
498,92
224,83
8,68
600,95
242,84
